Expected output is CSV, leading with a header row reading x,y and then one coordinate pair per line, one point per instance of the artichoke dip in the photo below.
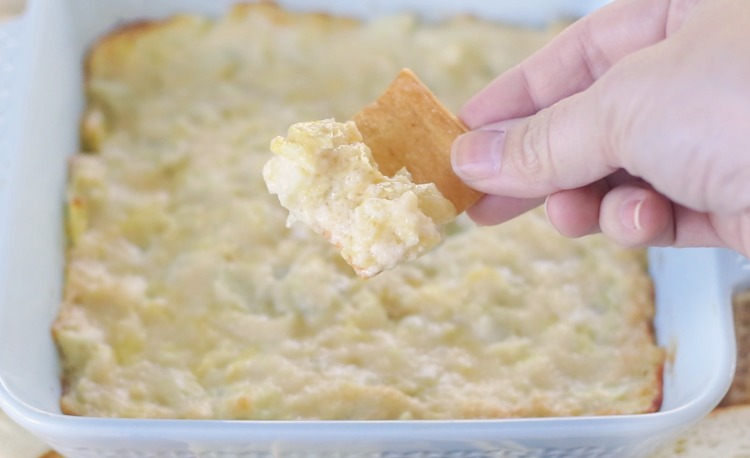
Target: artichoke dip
x,y
186,294
327,178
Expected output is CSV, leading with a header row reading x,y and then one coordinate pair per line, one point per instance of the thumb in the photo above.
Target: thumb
x,y
564,146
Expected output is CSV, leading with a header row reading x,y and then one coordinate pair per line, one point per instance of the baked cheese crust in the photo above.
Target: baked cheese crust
x,y
187,296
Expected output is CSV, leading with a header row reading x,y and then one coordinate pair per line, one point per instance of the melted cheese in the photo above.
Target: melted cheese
x,y
187,296
327,178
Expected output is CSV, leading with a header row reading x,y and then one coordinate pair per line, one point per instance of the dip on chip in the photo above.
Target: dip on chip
x,y
327,178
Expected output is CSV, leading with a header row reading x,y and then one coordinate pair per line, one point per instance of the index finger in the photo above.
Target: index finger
x,y
571,62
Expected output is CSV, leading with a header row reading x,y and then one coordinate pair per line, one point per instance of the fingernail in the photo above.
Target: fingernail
x,y
630,214
477,155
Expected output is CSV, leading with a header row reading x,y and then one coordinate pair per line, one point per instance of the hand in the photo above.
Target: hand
x,y
635,122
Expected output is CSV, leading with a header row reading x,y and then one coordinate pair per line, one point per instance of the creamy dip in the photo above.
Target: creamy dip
x,y
188,296
327,178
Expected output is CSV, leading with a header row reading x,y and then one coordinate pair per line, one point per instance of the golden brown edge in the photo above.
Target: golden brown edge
x,y
659,396
51,454
129,32
115,44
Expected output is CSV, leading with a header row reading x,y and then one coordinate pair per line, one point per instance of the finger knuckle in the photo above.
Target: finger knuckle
x,y
536,160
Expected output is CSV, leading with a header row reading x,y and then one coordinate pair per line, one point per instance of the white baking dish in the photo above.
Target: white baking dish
x,y
40,103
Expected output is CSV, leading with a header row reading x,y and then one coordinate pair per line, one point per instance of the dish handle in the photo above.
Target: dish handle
x,y
10,55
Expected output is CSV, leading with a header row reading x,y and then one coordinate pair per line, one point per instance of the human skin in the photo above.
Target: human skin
x,y
635,122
